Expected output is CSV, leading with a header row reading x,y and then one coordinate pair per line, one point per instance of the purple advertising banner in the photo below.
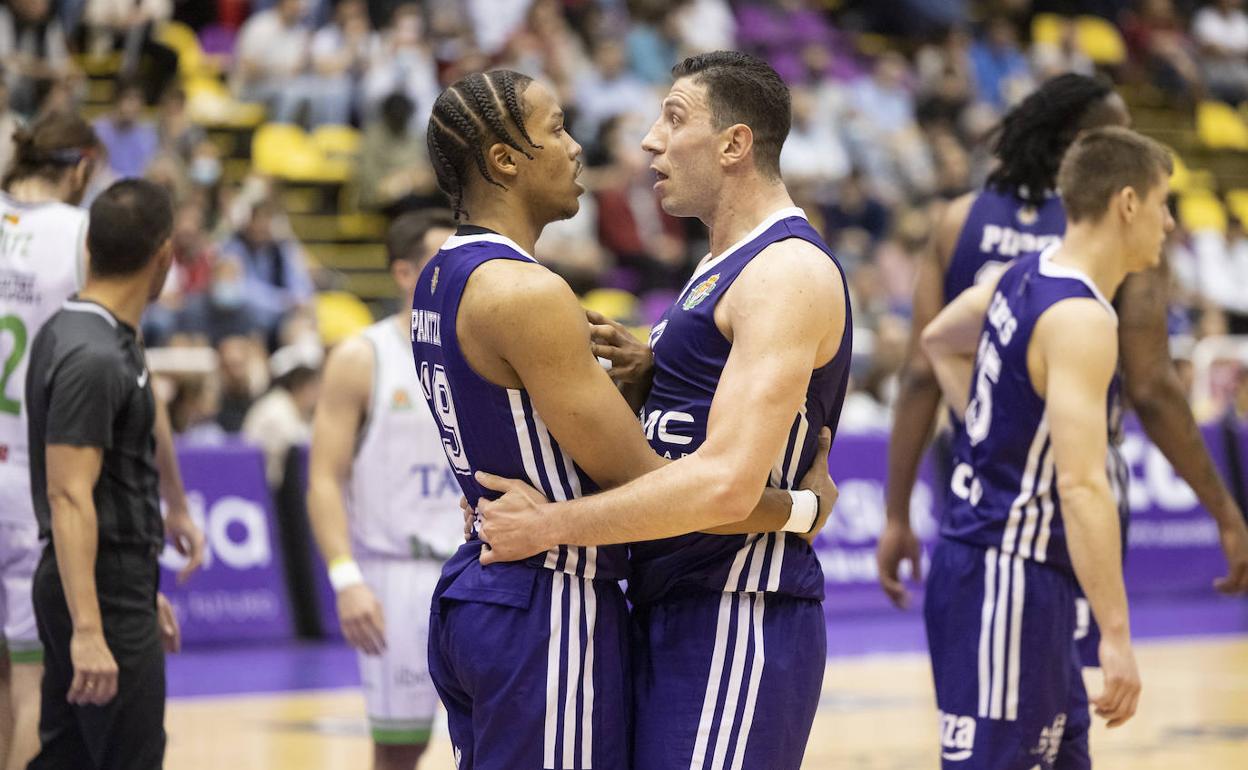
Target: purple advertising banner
x,y
239,593
1172,542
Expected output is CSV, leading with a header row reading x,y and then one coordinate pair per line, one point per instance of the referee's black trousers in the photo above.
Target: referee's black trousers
x,y
128,733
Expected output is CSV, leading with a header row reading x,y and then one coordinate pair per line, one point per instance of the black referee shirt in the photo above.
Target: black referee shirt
x,y
87,385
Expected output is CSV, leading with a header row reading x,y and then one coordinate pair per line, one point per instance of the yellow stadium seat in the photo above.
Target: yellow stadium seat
x,y
1202,211
191,59
613,303
1220,127
339,315
1047,28
282,149
337,140
1100,40
1237,202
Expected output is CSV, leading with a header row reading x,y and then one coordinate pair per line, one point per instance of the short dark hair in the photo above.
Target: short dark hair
x,y
129,222
406,235
1103,161
468,117
745,89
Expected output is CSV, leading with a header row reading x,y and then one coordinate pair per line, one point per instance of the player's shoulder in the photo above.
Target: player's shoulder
x,y
514,286
1078,323
354,352
793,262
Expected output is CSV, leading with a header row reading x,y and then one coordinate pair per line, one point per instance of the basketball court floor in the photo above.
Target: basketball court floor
x,y
295,707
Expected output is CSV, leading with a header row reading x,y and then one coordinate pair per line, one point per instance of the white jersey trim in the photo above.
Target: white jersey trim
x,y
1053,270
90,307
706,267
455,241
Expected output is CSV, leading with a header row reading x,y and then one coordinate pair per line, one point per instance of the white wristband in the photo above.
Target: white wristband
x,y
344,573
804,512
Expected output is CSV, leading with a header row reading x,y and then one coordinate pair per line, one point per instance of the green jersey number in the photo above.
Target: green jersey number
x,y
13,325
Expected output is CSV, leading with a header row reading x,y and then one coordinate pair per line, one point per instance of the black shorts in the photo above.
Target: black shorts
x,y
127,733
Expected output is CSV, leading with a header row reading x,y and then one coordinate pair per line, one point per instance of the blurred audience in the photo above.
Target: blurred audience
x,y
282,417
1221,32
393,173
130,140
275,279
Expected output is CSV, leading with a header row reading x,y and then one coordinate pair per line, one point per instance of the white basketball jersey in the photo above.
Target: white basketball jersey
x,y
42,247
403,497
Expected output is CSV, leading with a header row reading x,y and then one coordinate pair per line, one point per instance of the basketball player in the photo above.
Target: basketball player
x,y
1033,507
1017,214
750,367
531,657
379,490
42,263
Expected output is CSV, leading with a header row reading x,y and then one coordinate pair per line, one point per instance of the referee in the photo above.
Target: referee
x,y
95,487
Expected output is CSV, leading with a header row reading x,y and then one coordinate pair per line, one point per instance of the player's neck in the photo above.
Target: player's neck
x,y
125,298
35,189
500,214
1097,253
741,207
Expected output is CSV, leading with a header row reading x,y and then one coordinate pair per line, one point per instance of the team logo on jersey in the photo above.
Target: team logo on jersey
x,y
700,292
400,401
1051,740
11,219
433,284
957,737
1028,215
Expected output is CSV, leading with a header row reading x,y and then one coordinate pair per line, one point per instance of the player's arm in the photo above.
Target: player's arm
x,y
1076,341
180,528
1155,391
346,389
914,411
779,311
950,342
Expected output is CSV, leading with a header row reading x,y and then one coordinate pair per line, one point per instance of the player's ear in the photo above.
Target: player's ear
x,y
1128,203
501,161
737,141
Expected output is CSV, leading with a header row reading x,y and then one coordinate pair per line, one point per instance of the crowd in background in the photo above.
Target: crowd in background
x,y
894,102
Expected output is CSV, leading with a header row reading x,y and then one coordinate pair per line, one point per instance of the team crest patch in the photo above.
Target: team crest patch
x,y
11,219
433,284
400,400
1028,216
700,292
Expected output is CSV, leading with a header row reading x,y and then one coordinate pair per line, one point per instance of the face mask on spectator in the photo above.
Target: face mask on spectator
x,y
205,171
228,294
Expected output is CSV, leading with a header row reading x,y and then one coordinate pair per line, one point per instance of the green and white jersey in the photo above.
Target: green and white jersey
x,y
42,256
403,497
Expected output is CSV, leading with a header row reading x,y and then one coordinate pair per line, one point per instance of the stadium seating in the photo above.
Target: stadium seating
x,y
1097,38
1220,127
1202,211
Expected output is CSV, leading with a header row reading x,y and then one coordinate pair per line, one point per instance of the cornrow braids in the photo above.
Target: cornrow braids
x,y
467,118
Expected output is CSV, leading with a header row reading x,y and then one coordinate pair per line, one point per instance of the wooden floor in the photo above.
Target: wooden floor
x,y
876,714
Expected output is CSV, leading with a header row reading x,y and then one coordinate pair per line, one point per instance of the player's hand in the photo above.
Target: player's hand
x,y
898,544
167,620
187,538
361,618
820,482
95,670
631,359
470,517
1235,546
1118,701
510,525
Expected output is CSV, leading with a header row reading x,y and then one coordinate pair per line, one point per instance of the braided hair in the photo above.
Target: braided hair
x,y
475,112
1033,137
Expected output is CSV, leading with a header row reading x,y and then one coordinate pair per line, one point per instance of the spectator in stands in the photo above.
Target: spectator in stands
x,y
854,207
946,78
652,41
244,374
341,52
1222,267
1002,75
129,26
814,155
608,89
1050,59
33,52
1157,40
275,275
282,418
704,25
884,137
271,61
403,62
1221,31
223,311
393,174
179,135
131,141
